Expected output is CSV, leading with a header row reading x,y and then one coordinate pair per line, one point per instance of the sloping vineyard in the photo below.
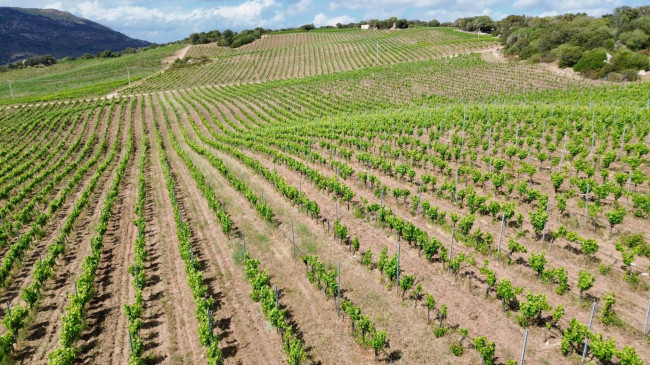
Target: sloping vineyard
x,y
460,214
298,55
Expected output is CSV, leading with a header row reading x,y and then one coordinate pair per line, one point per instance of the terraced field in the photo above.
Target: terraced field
x,y
420,211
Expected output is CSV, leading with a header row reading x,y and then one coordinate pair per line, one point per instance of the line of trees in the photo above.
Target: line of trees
x,y
227,38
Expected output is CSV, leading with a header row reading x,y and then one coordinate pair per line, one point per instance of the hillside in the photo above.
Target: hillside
x,y
32,32
351,197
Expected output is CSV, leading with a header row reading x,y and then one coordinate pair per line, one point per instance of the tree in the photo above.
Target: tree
x,y
537,262
585,281
635,39
486,349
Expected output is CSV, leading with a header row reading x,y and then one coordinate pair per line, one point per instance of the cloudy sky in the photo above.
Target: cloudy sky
x,y
169,20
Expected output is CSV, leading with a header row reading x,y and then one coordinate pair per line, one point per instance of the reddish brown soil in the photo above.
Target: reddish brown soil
x,y
239,319
23,275
105,338
42,334
371,295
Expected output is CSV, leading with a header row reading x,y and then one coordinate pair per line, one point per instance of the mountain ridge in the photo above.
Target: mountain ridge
x,y
29,32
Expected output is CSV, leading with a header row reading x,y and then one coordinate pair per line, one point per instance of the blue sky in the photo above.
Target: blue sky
x,y
169,20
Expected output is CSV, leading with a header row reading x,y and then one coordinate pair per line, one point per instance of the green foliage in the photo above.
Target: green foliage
x,y
383,259
456,349
608,316
507,292
465,224
574,337
486,349
585,281
263,292
537,262
355,244
366,259
569,55
538,220
340,230
628,356
515,247
603,350
591,60
604,269
406,283
557,178
615,216
589,247
635,39
531,310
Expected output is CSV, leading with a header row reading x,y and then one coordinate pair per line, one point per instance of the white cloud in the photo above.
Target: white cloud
x,y
55,5
564,6
322,20
166,20
300,7
143,22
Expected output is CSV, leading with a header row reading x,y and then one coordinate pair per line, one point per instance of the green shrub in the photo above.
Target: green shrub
x,y
626,60
635,39
568,55
456,349
591,60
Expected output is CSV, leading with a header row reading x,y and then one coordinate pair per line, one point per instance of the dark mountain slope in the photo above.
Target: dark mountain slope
x,y
34,32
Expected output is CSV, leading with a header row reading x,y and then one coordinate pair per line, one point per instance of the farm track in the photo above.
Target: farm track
x,y
42,334
240,321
